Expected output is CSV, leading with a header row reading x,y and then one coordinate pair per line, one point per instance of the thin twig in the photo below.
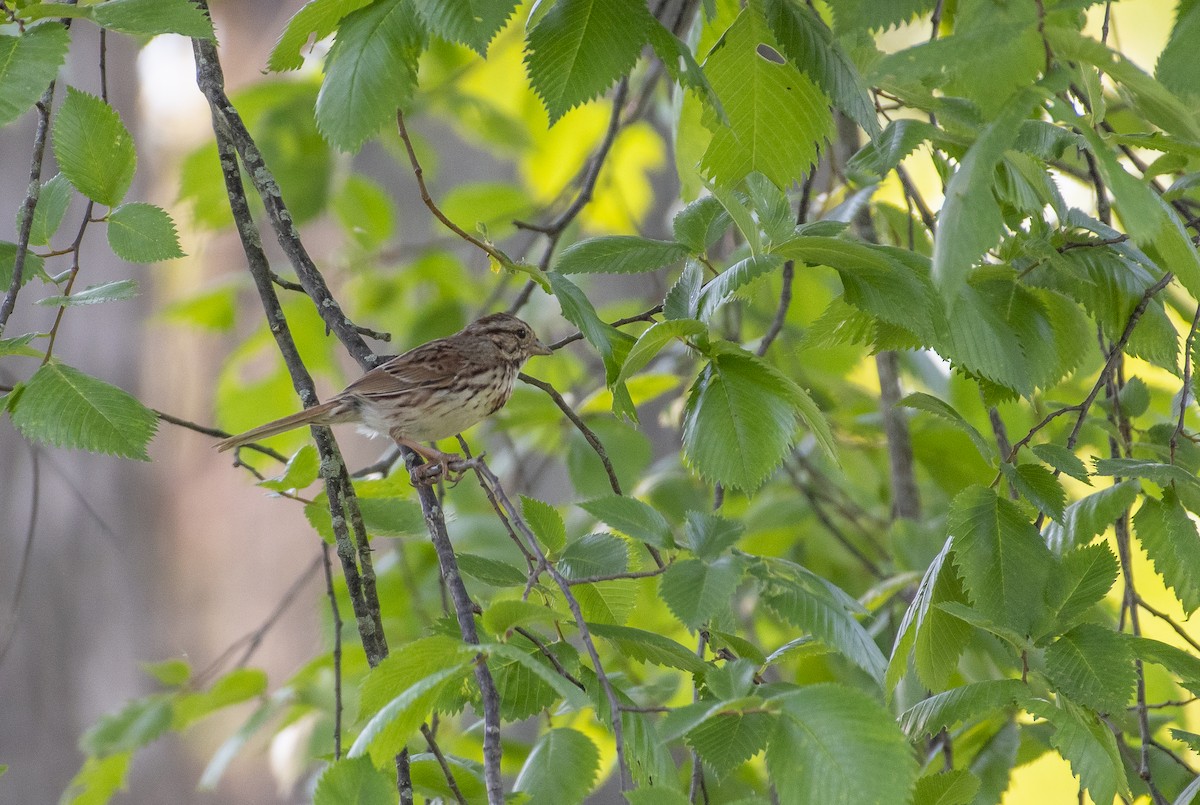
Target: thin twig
x,y
431,741
336,615
11,620
1185,388
218,433
587,432
645,315
633,574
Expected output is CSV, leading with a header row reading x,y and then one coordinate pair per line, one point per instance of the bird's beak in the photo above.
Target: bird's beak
x,y
538,348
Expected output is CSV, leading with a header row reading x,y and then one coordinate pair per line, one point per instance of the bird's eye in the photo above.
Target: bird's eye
x,y
525,334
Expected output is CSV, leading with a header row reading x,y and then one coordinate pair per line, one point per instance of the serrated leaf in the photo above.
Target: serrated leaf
x,y
811,46
474,23
838,745
969,223
28,63
1083,578
235,687
632,517
777,117
740,420
1176,70
137,724
1090,747
385,734
594,555
709,535
114,291
954,787
726,740
371,70
546,523
318,19
19,345
561,768
93,148
652,341
960,705
926,402
725,285
645,646
1039,486
522,693
1169,537
1182,664
53,200
696,591
501,616
619,254
153,17
1089,516
354,780
1093,665
302,469
491,571
578,310
99,780
1159,473
899,139
64,407
873,15
1063,460
581,47
1002,559
142,233
681,65
700,224
683,298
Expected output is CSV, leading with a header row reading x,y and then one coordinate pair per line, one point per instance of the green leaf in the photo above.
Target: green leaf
x,y
960,705
696,591
501,616
899,139
474,23
52,204
355,780
1090,747
846,735
726,740
724,286
1063,460
581,47
644,646
700,224
709,535
926,402
318,19
683,298
34,265
28,63
652,341
235,687
619,254
365,211
1089,516
139,723
302,469
1039,486
64,407
142,233
954,787
873,15
632,517
1176,69
153,17
20,346
810,45
740,420
578,309
93,148
545,522
1182,664
1169,537
594,555
940,637
99,780
389,729
681,65
370,71
561,768
1093,665
777,116
114,291
522,693
1003,561
491,571
969,223
1161,474
1081,581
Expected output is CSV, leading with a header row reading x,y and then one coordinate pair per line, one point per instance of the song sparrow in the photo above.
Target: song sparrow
x,y
430,392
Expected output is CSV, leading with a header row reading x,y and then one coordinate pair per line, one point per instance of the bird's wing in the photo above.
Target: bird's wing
x,y
424,366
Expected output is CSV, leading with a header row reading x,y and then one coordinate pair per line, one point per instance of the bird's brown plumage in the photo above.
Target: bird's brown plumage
x,y
430,392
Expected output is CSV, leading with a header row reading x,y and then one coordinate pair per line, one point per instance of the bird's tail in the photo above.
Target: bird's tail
x,y
327,413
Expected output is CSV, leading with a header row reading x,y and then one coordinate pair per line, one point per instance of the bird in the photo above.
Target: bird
x,y
431,392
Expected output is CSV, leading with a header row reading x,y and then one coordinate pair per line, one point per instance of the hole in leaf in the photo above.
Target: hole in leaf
x,y
770,54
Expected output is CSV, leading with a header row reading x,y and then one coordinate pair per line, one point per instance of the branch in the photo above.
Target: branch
x,y
218,433
228,123
336,615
